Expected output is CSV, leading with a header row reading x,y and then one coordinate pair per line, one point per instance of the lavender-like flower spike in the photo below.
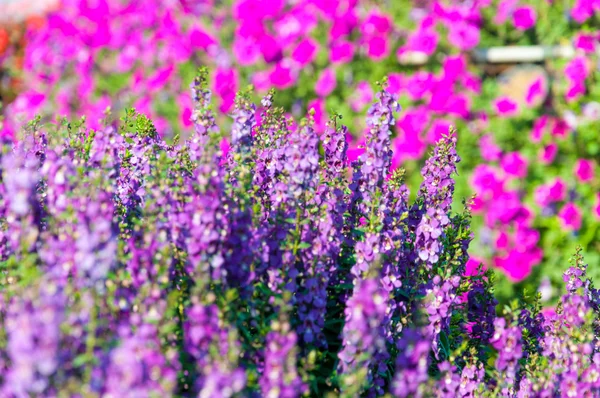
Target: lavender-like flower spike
x,y
335,148
202,115
437,187
21,210
412,364
435,196
441,297
138,367
243,122
362,335
280,377
33,329
507,340
374,164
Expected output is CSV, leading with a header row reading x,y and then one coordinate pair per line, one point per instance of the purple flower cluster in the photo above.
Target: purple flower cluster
x,y
133,264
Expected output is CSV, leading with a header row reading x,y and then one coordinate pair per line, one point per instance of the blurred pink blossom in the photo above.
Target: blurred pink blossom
x,y
524,18
584,170
570,217
325,83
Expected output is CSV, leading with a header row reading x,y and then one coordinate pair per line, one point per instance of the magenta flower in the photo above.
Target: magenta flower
x,y
438,129
514,164
226,86
505,107
376,24
396,83
463,35
553,192
504,10
341,52
560,128
422,40
377,47
584,170
282,75
326,82
535,92
419,85
305,52
576,72
490,152
582,10
486,181
473,265
246,50
539,127
586,42
548,153
524,18
570,217
518,264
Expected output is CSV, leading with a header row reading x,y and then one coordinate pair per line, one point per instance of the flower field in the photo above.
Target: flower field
x,y
356,198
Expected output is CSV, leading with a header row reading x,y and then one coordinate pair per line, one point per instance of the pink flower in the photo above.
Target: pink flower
x,y
159,78
577,70
422,40
585,42
472,266
560,128
471,82
502,241
518,264
553,192
305,52
538,128
504,10
490,152
570,217
246,50
548,153
200,39
584,170
514,164
282,76
408,143
582,10
226,86
419,84
439,128
487,183
463,35
326,82
377,47
505,106
535,91
376,24
524,18
454,67
396,83
341,52
270,49
224,146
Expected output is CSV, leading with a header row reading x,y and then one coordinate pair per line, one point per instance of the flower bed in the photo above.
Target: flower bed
x,y
133,266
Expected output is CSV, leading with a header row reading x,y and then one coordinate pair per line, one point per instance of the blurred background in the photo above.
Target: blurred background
x,y
517,78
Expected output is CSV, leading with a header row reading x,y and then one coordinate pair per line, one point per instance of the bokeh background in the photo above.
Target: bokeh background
x,y
517,78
